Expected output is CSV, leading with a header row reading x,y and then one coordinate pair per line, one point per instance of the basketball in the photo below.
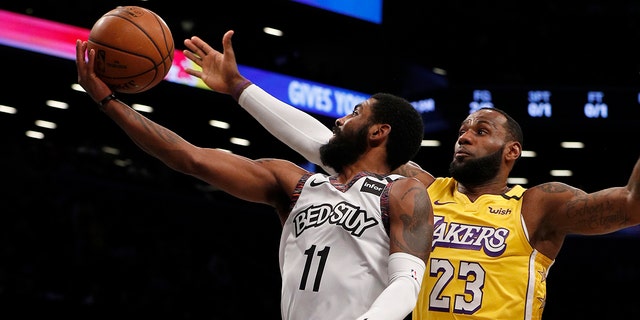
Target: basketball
x,y
134,49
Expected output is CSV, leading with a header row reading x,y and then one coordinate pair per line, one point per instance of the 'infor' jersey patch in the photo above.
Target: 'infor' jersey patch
x,y
372,187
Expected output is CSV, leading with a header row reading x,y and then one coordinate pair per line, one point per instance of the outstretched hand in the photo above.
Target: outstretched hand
x,y
219,70
87,78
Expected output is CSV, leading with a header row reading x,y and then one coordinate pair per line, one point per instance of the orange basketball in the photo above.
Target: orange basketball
x,y
134,49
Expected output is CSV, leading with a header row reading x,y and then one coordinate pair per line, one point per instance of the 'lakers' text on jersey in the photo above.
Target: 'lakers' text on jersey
x,y
482,265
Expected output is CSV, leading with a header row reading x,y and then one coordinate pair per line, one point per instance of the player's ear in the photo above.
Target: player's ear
x,y
513,150
379,131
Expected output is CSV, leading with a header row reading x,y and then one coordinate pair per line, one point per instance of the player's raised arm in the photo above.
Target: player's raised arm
x,y
262,181
219,70
574,211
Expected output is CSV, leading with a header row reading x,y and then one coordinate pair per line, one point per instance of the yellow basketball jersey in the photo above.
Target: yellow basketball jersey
x,y
482,265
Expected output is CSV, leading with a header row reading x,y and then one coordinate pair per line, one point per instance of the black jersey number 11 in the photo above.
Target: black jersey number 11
x,y
323,254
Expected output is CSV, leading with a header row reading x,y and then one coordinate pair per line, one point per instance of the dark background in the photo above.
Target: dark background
x,y
84,238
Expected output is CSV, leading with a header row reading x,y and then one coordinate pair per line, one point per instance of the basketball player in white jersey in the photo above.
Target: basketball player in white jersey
x,y
353,244
493,244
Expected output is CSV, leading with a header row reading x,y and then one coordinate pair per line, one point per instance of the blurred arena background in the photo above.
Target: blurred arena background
x,y
93,228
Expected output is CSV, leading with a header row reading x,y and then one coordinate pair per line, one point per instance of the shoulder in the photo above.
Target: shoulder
x,y
551,190
548,197
409,182
277,165
412,169
286,172
408,186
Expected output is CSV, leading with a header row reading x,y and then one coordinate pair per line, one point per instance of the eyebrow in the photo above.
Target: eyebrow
x,y
487,122
481,121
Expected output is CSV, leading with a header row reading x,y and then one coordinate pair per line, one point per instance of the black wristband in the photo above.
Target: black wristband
x,y
237,90
106,99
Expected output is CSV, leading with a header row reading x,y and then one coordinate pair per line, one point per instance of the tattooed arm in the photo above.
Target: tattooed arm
x,y
411,235
412,169
553,210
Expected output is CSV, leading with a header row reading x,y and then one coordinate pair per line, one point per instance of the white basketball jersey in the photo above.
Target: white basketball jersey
x,y
334,247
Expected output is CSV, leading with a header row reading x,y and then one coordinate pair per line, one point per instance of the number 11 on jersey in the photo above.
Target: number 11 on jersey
x,y
310,253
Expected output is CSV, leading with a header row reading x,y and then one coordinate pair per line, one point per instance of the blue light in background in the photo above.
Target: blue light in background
x,y
368,10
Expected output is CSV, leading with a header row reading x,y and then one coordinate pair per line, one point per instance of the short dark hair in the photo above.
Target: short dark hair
x,y
407,127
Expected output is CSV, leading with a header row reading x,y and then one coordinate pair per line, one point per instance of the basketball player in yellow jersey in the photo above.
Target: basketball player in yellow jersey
x,y
493,243
482,264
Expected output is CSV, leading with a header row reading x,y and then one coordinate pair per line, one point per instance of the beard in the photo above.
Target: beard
x,y
474,172
344,149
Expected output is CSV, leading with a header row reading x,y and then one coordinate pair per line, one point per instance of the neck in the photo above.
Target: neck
x,y
473,192
351,170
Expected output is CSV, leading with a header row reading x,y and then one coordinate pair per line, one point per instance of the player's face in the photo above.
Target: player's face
x,y
478,154
349,140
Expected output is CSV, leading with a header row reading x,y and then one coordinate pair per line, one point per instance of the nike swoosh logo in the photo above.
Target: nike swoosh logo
x,y
315,184
438,203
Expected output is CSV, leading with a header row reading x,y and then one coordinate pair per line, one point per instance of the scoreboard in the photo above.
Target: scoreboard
x,y
558,105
